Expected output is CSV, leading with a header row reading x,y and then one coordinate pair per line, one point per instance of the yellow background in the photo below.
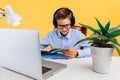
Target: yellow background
x,y
38,14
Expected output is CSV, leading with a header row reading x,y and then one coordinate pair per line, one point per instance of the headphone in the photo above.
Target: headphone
x,y
72,19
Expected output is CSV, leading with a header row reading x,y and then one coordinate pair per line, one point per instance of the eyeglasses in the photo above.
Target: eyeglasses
x,y
67,26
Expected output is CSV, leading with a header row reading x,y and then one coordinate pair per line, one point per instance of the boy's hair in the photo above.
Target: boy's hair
x,y
63,13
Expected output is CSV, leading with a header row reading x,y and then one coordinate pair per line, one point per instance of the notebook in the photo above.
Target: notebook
x,y
20,53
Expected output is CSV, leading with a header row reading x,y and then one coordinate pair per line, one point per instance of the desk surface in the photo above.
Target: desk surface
x,y
77,69
81,69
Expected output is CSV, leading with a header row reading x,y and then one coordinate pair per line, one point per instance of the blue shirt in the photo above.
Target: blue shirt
x,y
54,39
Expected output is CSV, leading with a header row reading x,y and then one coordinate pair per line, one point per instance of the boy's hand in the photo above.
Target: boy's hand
x,y
71,53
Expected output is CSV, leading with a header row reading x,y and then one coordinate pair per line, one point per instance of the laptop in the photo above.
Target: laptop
x,y
20,53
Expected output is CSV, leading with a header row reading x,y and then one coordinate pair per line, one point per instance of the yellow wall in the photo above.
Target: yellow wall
x,y
38,14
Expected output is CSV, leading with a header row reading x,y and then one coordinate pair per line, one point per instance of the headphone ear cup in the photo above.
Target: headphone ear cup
x,y
54,22
72,20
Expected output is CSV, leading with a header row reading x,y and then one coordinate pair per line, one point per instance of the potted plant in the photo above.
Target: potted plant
x,y
103,41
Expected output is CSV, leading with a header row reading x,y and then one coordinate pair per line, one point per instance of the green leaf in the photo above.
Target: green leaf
x,y
107,26
114,29
86,39
91,28
102,40
114,34
114,46
102,37
101,26
96,39
114,41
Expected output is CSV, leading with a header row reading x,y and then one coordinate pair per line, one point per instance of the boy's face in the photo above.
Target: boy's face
x,y
64,25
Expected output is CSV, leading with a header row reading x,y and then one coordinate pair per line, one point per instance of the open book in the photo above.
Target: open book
x,y
57,50
54,50
55,53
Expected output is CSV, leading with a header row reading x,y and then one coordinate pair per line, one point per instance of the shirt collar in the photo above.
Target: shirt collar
x,y
67,36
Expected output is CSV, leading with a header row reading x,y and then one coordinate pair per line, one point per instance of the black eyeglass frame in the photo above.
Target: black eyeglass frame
x,y
67,26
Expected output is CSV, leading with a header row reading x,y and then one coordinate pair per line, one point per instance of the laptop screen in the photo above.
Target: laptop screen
x,y
20,51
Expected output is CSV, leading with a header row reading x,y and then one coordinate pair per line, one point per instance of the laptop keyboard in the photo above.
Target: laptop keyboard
x,y
45,69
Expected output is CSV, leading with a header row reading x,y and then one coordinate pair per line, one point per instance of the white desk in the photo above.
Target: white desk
x,y
80,69
77,69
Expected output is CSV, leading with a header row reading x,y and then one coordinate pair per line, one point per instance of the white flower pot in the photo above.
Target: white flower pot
x,y
101,59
